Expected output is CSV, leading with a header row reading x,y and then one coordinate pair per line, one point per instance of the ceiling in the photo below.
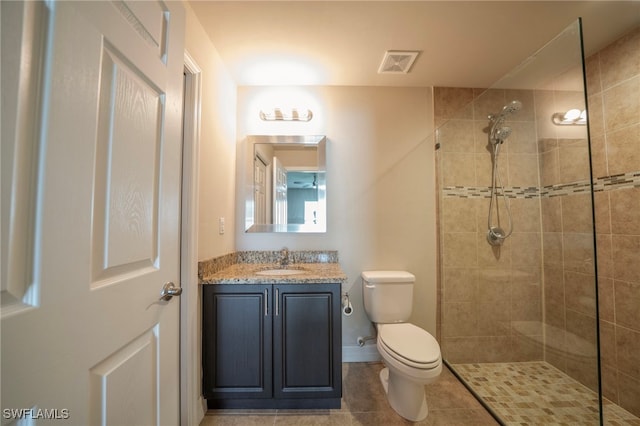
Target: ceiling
x,y
462,43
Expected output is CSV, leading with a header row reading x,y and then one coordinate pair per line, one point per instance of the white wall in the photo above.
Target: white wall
x,y
380,187
217,143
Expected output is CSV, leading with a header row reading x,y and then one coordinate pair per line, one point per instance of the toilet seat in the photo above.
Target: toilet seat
x,y
410,345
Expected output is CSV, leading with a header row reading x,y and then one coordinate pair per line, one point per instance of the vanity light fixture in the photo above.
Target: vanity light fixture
x,y
286,114
573,117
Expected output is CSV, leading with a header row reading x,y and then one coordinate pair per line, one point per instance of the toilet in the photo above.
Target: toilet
x,y
411,355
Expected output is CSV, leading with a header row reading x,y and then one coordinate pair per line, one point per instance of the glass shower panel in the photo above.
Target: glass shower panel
x,y
518,310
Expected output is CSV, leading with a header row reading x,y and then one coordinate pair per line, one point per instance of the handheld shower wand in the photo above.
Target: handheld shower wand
x,y
497,135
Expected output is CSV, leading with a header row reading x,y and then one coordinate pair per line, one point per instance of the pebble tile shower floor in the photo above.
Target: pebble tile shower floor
x,y
536,393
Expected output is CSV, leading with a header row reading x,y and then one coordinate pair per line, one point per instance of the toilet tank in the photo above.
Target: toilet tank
x,y
388,295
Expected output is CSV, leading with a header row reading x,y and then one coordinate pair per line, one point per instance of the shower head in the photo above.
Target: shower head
x,y
510,108
499,133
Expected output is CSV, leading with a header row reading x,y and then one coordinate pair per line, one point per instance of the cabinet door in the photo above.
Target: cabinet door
x,y
237,341
307,345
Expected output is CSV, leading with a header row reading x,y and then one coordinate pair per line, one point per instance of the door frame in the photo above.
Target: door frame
x,y
192,404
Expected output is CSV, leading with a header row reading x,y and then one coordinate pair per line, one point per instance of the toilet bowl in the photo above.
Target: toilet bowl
x,y
411,355
412,360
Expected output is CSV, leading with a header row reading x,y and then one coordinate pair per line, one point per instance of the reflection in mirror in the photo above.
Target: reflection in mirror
x,y
288,186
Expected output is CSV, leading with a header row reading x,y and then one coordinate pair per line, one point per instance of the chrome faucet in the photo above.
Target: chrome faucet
x,y
284,257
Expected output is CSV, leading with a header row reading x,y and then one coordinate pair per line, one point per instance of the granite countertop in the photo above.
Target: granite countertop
x,y
243,268
246,273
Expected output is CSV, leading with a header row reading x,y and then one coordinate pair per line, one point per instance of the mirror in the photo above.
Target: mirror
x,y
287,187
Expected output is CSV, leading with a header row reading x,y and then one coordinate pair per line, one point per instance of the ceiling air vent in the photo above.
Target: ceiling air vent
x,y
397,61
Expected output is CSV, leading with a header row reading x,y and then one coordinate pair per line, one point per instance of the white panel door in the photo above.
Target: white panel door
x,y
279,192
85,336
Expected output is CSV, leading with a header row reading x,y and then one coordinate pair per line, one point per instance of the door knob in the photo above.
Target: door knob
x,y
169,290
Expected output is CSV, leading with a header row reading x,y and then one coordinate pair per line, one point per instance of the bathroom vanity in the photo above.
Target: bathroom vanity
x,y
272,336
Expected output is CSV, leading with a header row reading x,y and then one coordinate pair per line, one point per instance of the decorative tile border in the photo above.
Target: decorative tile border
x,y
607,183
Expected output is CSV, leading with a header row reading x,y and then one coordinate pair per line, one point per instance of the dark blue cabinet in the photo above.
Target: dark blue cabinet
x,y
272,346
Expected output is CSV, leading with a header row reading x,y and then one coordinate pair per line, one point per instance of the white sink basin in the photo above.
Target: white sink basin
x,y
280,272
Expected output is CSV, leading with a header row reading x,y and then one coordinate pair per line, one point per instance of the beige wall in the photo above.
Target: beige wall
x,y
217,144
380,188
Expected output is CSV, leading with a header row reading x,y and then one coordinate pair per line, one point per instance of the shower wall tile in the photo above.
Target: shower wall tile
x,y
525,348
460,250
583,327
582,289
453,103
552,249
599,156
494,285
578,253
493,319
628,351
620,60
460,319
544,103
625,210
622,104
526,249
606,300
603,215
609,382
523,170
460,169
551,214
604,250
585,371
629,393
592,69
460,349
554,296
625,257
526,213
573,160
596,115
627,305
522,137
496,257
578,209
459,214
549,167
547,144
457,136
489,102
460,285
623,150
526,97
608,344
484,169
494,349
481,136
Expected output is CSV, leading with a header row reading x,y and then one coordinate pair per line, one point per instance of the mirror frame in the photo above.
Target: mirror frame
x,y
320,142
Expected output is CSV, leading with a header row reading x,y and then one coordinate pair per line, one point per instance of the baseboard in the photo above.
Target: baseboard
x,y
366,353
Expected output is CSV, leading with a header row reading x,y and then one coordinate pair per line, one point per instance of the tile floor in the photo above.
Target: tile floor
x,y
364,403
537,393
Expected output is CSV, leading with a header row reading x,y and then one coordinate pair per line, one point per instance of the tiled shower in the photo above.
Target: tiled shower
x,y
532,302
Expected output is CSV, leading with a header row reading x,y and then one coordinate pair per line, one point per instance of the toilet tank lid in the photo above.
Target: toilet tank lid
x,y
388,276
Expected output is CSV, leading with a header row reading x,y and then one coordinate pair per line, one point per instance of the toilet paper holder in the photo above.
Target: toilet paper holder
x,y
347,308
